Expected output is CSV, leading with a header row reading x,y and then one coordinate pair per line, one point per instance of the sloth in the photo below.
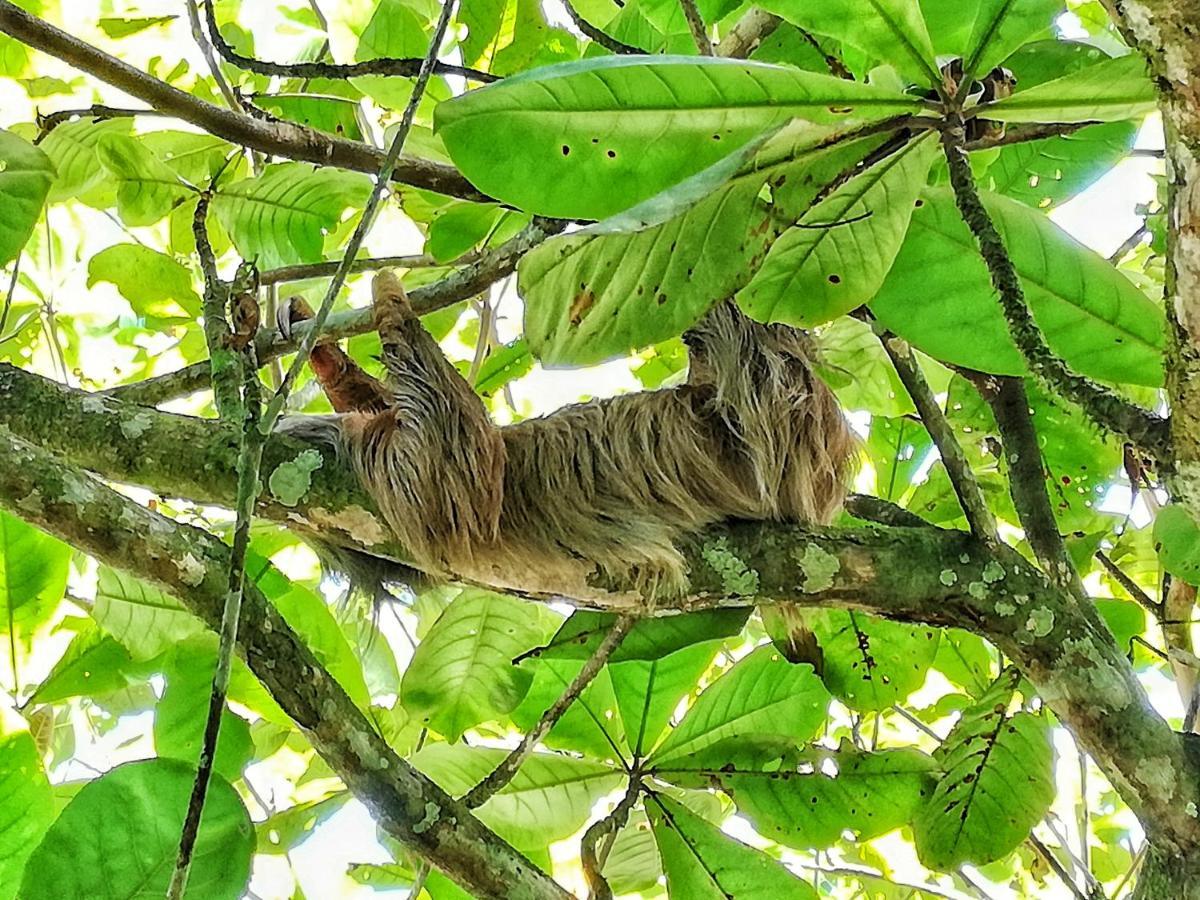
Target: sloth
x,y
596,492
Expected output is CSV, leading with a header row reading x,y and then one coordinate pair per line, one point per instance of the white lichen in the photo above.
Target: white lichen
x,y
948,577
819,567
433,812
1040,622
135,426
737,579
1157,775
291,480
993,572
1004,608
191,570
361,525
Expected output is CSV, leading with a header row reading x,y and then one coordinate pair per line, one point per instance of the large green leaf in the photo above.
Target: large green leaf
x,y
998,783
591,725
119,836
33,575
648,691
26,804
589,139
809,807
834,259
147,188
938,296
549,799
702,863
889,31
335,115
26,174
897,448
872,664
310,617
93,665
145,620
1052,170
762,695
604,290
197,158
182,712
152,282
281,217
987,30
462,672
650,638
72,149
1177,538
1106,92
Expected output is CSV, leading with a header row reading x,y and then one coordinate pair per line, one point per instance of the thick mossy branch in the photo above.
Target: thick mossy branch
x,y
1106,409
194,566
915,574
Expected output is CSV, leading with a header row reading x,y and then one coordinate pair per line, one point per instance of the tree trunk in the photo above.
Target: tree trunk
x,y
1168,877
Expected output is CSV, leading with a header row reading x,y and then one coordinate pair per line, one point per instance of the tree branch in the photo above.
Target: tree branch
x,y
695,22
468,281
364,264
592,33
286,139
962,479
193,565
748,33
911,574
406,67
1105,408
504,773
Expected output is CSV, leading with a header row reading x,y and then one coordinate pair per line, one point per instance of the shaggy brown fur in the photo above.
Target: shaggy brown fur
x,y
606,486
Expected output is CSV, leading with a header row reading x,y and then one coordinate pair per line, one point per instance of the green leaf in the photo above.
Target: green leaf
x,y
462,673
586,303
145,620
872,664
998,783
504,364
591,725
333,115
147,188
281,217
1177,538
1106,92
119,836
93,665
72,149
396,29
891,31
181,714
33,575
810,807
26,174
458,227
196,158
26,804
117,28
834,259
762,695
284,831
154,284
651,638
853,363
549,799
999,28
648,691
702,863
897,449
311,618
633,865
939,297
592,138
965,659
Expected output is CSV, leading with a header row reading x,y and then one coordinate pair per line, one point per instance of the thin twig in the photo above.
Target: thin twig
x,y
1059,869
364,264
286,139
249,460
507,769
275,406
222,362
958,467
1105,408
591,859
487,317
593,33
832,62
1134,590
876,875
884,512
696,25
407,67
917,723
97,112
466,282
10,293
1020,134
1129,244
210,58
